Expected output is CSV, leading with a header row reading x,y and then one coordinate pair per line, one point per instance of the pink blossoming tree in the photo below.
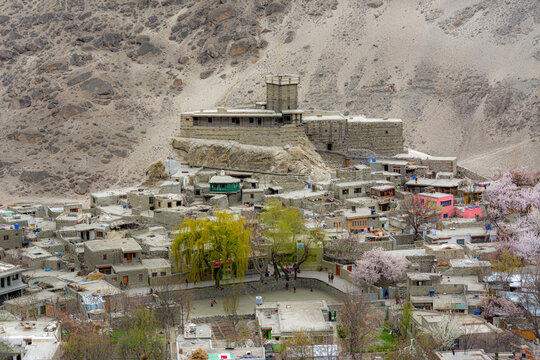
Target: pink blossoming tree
x,y
498,306
514,212
377,265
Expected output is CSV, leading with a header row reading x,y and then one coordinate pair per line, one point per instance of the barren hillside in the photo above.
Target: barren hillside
x,y
91,90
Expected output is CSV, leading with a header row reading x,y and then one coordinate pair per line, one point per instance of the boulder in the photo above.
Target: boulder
x,y
81,188
220,14
34,176
147,47
80,59
79,78
274,7
6,55
375,3
241,47
101,91
290,37
22,102
70,110
206,74
3,19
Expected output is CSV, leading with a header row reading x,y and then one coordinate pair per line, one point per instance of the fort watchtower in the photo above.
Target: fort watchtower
x,y
282,92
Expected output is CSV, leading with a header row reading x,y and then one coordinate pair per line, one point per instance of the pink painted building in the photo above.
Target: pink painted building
x,y
445,204
469,211
440,201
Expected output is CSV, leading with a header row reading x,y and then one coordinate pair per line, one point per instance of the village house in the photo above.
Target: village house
x,y
11,282
102,254
33,339
277,320
355,220
383,194
419,185
11,237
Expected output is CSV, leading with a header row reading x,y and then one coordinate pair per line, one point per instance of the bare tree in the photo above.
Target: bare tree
x,y
530,296
417,214
358,321
298,346
230,306
259,249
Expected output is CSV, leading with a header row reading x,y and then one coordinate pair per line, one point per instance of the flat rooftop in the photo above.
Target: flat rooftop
x,y
125,244
434,182
224,112
360,118
287,317
435,195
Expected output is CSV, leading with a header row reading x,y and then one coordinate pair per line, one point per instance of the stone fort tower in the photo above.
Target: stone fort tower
x,y
282,92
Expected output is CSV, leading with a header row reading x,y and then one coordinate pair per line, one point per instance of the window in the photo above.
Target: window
x,y
169,204
460,241
15,277
329,146
104,256
422,201
151,200
178,203
99,234
345,191
42,310
6,237
251,120
163,273
397,170
2,282
105,270
209,120
446,203
357,190
154,274
478,239
259,122
72,210
140,277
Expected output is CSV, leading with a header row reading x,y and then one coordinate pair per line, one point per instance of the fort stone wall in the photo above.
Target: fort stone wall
x,y
253,135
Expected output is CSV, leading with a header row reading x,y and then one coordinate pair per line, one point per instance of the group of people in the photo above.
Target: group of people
x,y
213,301
330,277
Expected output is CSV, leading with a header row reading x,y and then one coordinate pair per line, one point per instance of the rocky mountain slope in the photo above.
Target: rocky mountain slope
x,y
92,90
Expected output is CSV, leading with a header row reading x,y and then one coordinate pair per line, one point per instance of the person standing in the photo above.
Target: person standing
x,y
211,302
329,277
215,302
332,278
287,286
294,289
187,283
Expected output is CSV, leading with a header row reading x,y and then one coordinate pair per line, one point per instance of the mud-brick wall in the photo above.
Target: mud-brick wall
x,y
262,136
383,138
324,132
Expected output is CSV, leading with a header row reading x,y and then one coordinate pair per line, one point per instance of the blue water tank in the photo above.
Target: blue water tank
x,y
432,293
16,226
477,312
124,206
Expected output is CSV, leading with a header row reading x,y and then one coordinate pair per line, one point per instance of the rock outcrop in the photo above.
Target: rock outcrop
x,y
293,160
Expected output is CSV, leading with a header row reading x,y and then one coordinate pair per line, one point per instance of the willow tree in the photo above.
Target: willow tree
x,y
283,226
218,245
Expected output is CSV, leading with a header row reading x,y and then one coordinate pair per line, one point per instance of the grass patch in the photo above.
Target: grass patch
x,y
384,341
116,334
